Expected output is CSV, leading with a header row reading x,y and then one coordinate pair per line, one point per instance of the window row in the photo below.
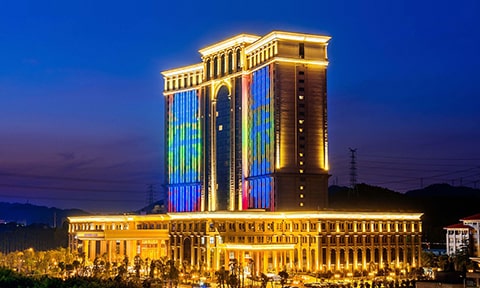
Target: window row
x,y
321,240
183,81
301,113
262,54
301,226
98,227
261,226
223,64
143,226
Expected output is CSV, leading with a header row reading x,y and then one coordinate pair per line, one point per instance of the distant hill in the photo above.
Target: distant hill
x,y
444,205
441,204
367,197
444,190
29,214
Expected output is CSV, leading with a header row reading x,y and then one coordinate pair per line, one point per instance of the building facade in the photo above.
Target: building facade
x,y
247,127
465,235
247,172
316,241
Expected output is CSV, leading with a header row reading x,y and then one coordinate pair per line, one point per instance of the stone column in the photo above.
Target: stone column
x,y
275,262
192,250
109,248
86,248
180,244
103,247
380,252
397,255
318,253
292,258
299,253
93,249
355,253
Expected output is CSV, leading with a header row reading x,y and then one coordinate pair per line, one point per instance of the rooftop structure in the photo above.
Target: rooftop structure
x,y
247,127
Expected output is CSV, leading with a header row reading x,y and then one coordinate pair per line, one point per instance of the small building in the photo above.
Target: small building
x,y
465,235
458,238
474,222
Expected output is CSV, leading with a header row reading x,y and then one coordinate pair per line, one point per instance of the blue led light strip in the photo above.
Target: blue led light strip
x,y
260,144
184,152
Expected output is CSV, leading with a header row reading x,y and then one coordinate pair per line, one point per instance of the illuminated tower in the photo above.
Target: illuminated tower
x,y
247,127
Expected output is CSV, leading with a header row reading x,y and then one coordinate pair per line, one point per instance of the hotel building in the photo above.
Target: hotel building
x,y
247,171
247,127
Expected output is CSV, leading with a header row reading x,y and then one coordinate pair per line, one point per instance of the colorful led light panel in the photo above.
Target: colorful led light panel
x,y
260,140
184,146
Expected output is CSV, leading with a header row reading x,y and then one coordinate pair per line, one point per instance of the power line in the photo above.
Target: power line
x,y
69,199
353,168
393,170
150,195
37,187
411,163
421,158
20,175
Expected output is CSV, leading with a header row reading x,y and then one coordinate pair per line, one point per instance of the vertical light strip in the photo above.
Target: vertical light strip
x,y
261,140
245,124
183,147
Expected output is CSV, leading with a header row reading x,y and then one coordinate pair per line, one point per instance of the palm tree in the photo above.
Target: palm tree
x,y
284,277
173,274
137,262
76,265
161,265
152,269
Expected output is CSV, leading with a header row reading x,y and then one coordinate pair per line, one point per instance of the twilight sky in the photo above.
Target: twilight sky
x,y
81,107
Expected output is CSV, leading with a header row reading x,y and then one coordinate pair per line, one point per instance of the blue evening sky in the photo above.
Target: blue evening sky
x,y
81,107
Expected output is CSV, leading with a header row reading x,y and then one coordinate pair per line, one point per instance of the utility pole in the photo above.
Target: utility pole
x,y
150,194
353,170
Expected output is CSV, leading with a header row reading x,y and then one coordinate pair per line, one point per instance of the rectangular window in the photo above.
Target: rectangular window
x,y
331,226
350,226
301,50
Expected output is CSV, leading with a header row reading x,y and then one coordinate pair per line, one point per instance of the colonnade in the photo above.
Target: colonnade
x,y
318,257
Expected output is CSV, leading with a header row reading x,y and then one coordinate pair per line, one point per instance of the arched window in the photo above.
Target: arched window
x,y
222,65
208,69
215,67
239,62
230,62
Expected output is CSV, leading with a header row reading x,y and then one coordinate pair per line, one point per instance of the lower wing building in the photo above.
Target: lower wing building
x,y
316,241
